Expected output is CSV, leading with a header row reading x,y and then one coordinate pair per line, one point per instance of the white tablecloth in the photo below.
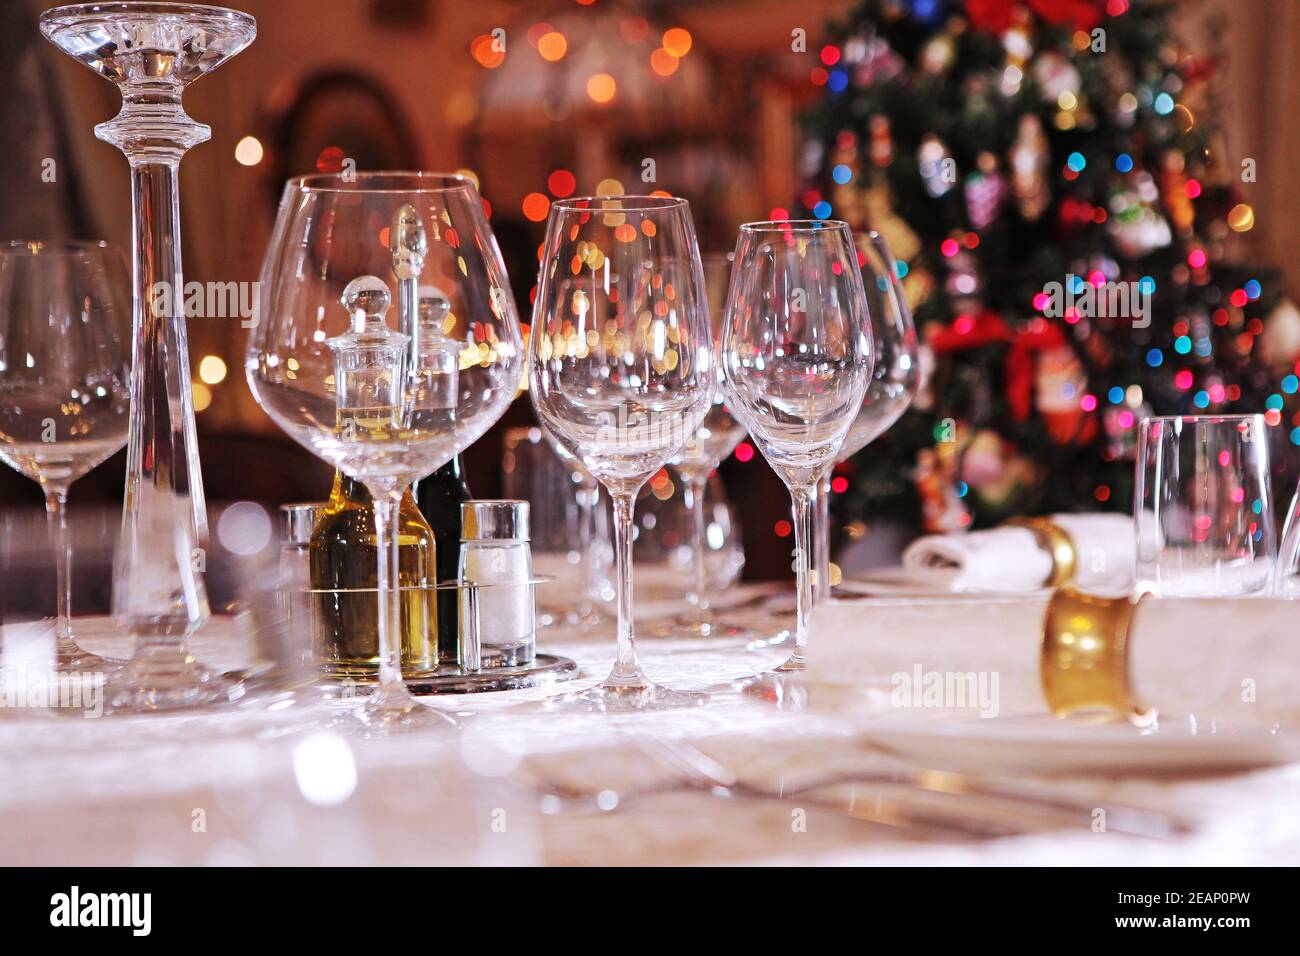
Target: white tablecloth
x,y
255,784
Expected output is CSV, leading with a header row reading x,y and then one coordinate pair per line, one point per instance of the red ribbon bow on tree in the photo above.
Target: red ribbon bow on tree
x,y
994,16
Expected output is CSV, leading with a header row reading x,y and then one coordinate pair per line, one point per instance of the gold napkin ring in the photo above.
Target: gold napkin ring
x,y
1057,542
1084,656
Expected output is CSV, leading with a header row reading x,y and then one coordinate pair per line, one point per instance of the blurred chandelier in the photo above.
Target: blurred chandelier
x,y
582,60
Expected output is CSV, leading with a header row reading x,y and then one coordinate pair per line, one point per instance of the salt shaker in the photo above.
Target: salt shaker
x,y
297,522
498,626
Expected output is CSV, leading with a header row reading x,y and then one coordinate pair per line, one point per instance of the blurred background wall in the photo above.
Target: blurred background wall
x,y
536,100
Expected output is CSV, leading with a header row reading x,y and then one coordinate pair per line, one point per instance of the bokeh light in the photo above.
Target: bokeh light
x,y
561,183
536,206
677,41
552,46
248,151
663,62
601,87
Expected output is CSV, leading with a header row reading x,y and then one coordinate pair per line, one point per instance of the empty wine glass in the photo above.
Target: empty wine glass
x,y
326,364
1203,510
568,533
797,358
1286,576
716,438
622,373
894,378
65,308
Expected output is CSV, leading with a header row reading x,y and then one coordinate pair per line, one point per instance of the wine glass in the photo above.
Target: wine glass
x,y
593,536
797,358
65,308
566,540
716,438
895,376
622,374
326,363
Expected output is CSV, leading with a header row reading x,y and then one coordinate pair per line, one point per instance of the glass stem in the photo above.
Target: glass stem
x,y
803,500
588,495
56,513
388,580
626,670
822,542
697,596
163,509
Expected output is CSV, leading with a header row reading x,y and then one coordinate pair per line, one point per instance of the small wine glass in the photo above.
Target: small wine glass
x,y
621,374
797,358
593,536
716,438
65,309
568,535
895,376
326,364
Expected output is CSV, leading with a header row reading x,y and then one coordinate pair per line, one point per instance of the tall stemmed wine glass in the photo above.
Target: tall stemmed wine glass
x,y
716,438
65,310
622,373
797,358
328,363
894,379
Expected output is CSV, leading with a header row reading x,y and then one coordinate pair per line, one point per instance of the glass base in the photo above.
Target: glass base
x,y
685,629
167,680
776,640
589,619
621,697
72,658
393,710
794,664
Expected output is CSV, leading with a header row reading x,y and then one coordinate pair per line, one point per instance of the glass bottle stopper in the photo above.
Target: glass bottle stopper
x,y
369,361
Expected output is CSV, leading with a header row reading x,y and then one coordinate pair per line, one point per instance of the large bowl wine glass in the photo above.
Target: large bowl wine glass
x,y
796,359
65,310
895,376
622,373
334,369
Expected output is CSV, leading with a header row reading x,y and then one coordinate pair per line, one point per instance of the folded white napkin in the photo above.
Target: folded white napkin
x,y
1010,560
1217,658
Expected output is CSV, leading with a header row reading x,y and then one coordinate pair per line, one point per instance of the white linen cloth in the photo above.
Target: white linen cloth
x,y
276,786
1217,658
1009,559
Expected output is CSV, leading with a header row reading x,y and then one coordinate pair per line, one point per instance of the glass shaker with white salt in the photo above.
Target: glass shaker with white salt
x,y
497,614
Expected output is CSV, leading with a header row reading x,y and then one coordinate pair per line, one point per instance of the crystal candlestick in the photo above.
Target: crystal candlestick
x,y
152,51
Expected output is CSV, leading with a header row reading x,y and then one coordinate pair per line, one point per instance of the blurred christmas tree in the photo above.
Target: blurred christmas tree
x,y
1015,154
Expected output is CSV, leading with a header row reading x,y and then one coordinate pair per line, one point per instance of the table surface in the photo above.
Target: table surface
x,y
268,782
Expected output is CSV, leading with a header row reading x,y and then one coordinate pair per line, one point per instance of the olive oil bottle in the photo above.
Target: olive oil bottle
x,y
439,498
344,573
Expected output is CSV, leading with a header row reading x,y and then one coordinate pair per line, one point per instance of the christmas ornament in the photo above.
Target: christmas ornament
x,y
997,475
986,190
1056,76
1280,342
937,167
1060,382
1028,161
942,509
882,143
1173,191
1134,226
938,53
879,213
